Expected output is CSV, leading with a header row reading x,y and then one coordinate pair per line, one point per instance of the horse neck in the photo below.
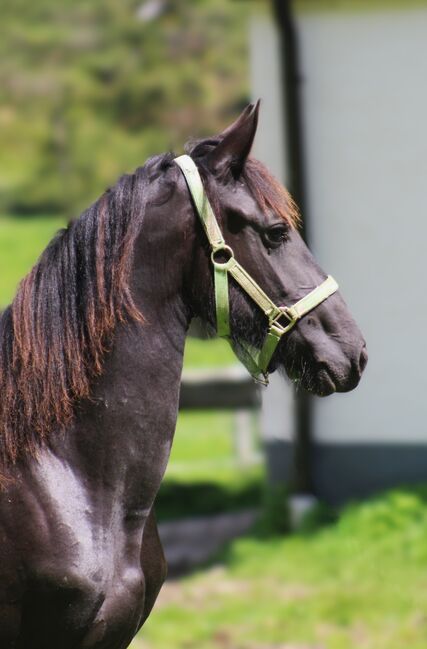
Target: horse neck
x,y
123,435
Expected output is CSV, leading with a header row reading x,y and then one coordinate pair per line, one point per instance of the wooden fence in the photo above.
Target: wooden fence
x,y
229,388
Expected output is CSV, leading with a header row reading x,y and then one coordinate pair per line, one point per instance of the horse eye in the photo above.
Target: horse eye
x,y
275,236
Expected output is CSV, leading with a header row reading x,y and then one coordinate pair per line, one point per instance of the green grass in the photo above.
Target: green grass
x,y
204,435
360,583
21,242
226,491
208,353
203,475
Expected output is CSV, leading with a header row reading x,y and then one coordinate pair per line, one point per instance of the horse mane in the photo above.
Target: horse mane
x,y
60,325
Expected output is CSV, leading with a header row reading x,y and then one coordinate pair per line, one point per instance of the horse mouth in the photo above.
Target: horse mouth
x,y
321,377
319,382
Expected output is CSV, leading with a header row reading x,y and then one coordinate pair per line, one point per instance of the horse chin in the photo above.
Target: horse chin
x,y
319,379
339,373
320,383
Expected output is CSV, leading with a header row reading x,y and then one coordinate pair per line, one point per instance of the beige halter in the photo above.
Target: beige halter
x,y
257,360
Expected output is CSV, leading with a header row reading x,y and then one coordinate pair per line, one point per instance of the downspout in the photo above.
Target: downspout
x,y
302,481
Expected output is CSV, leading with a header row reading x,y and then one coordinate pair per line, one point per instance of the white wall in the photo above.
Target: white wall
x,y
365,99
265,79
365,114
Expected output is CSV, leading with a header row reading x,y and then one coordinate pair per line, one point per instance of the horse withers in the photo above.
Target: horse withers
x,y
90,363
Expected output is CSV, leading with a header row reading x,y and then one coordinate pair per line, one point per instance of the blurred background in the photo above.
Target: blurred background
x,y
288,522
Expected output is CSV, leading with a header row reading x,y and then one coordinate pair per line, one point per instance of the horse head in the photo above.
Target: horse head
x,y
258,221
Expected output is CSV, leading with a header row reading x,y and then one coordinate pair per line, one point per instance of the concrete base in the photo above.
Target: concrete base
x,y
189,543
342,472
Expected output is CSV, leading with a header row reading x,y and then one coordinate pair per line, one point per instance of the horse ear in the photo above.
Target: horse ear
x,y
236,142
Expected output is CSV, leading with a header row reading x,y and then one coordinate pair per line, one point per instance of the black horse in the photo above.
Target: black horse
x,y
90,363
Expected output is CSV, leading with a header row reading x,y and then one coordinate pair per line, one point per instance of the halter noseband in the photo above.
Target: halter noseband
x,y
256,360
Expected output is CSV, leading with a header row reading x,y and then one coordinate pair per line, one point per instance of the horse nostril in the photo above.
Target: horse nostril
x,y
363,359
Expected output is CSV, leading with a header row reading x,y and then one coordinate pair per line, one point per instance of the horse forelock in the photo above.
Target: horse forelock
x,y
270,193
55,334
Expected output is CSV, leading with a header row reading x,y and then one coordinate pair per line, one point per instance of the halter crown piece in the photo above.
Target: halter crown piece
x,y
255,360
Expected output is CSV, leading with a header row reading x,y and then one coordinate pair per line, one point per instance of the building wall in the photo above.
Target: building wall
x,y
365,107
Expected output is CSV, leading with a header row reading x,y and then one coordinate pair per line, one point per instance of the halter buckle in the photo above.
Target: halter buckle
x,y
278,327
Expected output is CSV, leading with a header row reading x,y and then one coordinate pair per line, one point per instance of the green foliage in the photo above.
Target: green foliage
x,y
185,498
401,511
90,90
275,517
319,516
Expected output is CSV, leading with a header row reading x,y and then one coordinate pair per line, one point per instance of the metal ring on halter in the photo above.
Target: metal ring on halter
x,y
225,265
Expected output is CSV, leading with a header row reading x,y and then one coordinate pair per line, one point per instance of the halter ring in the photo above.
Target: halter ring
x,y
223,264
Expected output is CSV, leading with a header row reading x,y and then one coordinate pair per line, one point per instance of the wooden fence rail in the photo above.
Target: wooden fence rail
x,y
229,388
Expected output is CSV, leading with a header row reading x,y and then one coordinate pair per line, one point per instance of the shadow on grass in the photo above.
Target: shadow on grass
x,y
180,500
369,520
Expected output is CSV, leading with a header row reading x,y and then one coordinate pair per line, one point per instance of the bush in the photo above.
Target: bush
x,y
90,90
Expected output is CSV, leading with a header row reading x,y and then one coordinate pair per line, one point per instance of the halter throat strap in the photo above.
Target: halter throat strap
x,y
280,318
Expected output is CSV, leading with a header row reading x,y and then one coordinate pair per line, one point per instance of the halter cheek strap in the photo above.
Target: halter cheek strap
x,y
256,360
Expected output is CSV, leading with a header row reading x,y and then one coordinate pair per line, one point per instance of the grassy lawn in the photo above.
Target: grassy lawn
x,y
207,353
21,242
360,583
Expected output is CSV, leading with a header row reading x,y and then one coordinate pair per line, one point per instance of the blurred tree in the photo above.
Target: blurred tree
x,y
89,90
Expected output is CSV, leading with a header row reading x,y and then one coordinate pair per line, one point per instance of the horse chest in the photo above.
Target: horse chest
x,y
68,606
84,584
119,615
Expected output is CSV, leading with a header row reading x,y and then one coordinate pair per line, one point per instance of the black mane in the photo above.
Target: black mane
x,y
54,335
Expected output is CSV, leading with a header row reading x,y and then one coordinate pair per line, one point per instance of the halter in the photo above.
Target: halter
x,y
256,360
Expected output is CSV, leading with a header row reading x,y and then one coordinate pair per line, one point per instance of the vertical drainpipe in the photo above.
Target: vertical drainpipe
x,y
293,127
